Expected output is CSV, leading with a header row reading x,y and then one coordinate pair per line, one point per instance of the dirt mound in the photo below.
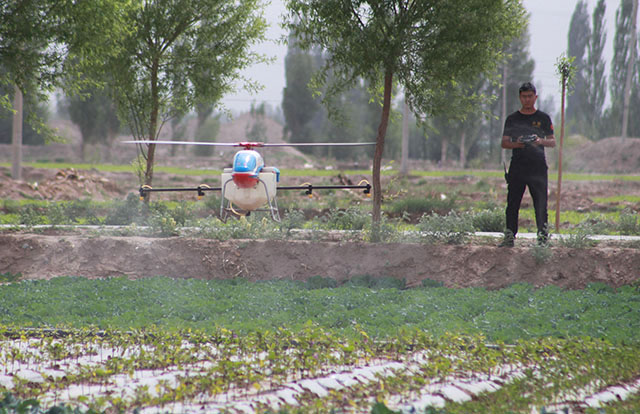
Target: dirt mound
x,y
610,155
59,185
42,256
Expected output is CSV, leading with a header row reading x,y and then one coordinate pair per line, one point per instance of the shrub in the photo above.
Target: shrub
x,y
32,215
489,220
541,253
350,219
385,232
432,203
77,210
293,219
127,212
628,224
453,228
580,238
164,224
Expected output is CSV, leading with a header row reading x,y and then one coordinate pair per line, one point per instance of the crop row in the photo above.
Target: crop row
x,y
310,370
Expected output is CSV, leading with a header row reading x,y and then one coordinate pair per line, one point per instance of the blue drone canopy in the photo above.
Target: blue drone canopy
x,y
248,161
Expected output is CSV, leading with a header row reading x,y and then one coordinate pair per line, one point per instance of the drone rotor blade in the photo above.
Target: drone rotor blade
x,y
317,144
150,141
249,144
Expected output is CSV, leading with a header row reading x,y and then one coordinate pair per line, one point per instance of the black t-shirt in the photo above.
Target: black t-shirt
x,y
518,125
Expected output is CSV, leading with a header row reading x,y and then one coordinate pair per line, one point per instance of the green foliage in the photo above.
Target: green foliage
x,y
181,54
9,277
430,283
293,219
629,222
489,220
386,231
126,212
380,308
431,203
164,224
453,228
10,404
580,238
352,218
541,253
320,282
207,132
372,282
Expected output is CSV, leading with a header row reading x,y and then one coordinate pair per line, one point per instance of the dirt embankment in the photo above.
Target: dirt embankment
x,y
42,256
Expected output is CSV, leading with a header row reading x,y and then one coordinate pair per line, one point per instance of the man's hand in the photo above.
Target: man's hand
x,y
529,139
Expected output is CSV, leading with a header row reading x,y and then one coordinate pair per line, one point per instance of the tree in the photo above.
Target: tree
x,y
619,69
424,45
31,136
95,114
298,103
596,87
631,68
349,117
579,37
41,41
181,53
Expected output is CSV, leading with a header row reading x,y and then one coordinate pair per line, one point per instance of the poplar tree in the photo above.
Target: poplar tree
x,y
596,88
579,36
618,74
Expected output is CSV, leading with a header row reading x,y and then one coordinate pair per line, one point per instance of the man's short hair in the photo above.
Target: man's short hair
x,y
528,86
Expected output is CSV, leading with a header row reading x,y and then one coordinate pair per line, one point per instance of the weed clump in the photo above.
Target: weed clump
x,y
453,228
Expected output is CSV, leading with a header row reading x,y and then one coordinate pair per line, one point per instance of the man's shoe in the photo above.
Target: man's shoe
x,y
509,239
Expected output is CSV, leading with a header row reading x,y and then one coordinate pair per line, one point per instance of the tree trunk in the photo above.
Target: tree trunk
x,y
463,154
377,157
404,160
444,148
153,125
16,135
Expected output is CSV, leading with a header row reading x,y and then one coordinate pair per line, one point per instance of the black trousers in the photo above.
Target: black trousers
x,y
536,179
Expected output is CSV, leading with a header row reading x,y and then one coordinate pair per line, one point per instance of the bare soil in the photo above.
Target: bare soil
x,y
56,253
38,256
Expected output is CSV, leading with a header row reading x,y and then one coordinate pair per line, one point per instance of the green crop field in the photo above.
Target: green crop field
x,y
367,345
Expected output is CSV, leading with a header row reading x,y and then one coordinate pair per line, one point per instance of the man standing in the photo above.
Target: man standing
x,y
527,132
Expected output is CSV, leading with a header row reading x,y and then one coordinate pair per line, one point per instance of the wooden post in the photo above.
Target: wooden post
x,y
558,192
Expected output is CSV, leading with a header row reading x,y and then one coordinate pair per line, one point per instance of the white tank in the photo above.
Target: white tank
x,y
251,198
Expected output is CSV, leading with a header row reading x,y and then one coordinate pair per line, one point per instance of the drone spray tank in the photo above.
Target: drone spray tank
x,y
249,184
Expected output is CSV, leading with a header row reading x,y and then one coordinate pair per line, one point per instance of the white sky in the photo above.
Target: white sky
x,y
548,29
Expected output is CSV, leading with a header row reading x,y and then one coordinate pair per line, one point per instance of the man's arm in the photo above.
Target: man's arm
x,y
507,144
548,141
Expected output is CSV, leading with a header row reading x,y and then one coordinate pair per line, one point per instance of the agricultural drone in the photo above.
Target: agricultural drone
x,y
249,184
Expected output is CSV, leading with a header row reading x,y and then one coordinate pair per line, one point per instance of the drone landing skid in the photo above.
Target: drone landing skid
x,y
269,199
